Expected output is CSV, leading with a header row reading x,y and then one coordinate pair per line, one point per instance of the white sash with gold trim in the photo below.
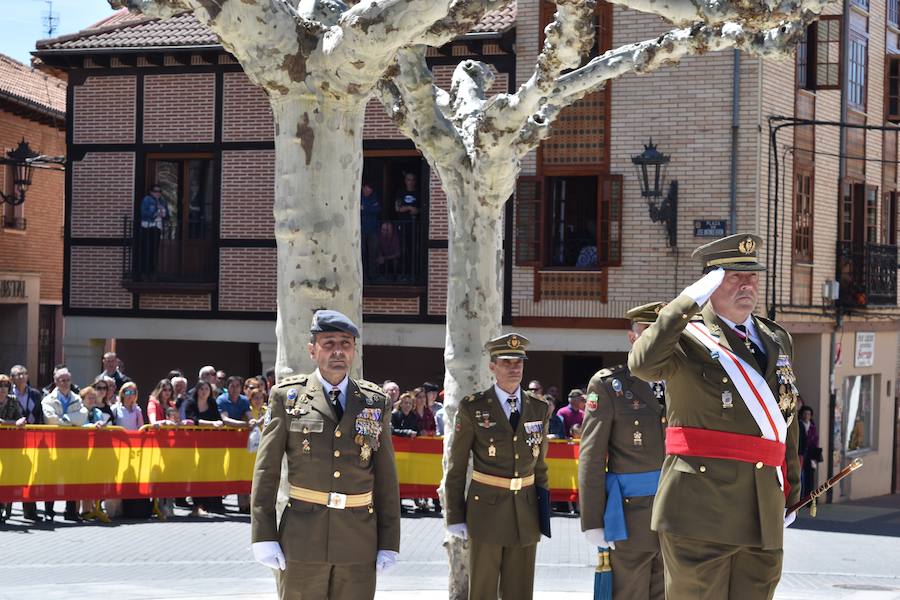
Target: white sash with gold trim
x,y
751,387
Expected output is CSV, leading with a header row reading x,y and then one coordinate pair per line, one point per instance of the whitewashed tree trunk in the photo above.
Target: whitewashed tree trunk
x,y
318,169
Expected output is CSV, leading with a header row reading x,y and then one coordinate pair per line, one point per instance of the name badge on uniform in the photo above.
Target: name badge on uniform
x,y
727,400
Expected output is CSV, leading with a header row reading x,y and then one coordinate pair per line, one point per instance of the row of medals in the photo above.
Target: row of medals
x,y
534,438
367,430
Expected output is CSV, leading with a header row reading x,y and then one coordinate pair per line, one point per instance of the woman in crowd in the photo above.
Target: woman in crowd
x,y
91,397
101,387
161,398
256,393
426,417
201,409
809,450
126,412
404,421
10,414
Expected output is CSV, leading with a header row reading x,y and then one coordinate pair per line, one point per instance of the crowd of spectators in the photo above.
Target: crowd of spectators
x,y
216,400
113,399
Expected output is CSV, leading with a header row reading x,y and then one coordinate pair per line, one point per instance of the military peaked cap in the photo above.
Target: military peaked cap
x,y
645,313
511,345
739,252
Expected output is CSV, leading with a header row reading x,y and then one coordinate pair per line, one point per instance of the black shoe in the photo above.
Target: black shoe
x,y
33,517
49,515
73,517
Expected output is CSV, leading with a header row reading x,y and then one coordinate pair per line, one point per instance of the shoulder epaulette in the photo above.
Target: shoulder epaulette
x,y
292,380
534,396
610,371
370,387
472,397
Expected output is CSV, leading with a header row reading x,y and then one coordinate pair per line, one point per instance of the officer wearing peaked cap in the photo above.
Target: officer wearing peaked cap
x,y
731,441
504,429
343,519
621,451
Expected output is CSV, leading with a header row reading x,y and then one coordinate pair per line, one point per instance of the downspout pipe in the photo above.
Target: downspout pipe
x,y
735,129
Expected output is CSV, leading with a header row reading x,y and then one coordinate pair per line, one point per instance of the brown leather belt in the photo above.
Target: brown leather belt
x,y
515,484
331,499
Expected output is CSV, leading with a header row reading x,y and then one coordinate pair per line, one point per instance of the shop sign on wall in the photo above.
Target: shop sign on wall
x,y
865,349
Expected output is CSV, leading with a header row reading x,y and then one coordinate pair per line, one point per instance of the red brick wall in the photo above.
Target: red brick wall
x,y
39,248
104,110
437,208
248,192
102,193
175,302
390,306
378,125
437,281
179,108
247,279
95,276
246,115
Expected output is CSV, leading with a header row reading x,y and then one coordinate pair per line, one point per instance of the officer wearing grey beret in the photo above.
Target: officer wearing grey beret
x,y
342,523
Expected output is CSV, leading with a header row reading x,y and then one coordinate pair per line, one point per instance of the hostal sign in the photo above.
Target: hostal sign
x,y
12,288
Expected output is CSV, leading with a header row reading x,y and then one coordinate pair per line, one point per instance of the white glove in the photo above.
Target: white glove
x,y
458,530
597,537
385,560
704,287
789,518
269,554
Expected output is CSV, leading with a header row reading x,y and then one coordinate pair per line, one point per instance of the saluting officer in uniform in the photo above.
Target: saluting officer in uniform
x,y
504,428
343,520
624,433
731,466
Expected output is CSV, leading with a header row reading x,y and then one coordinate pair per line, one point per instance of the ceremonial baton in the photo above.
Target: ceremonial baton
x,y
820,491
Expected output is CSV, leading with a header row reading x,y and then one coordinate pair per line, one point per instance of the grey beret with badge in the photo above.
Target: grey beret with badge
x,y
325,321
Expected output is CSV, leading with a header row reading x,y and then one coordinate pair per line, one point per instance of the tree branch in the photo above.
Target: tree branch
x,y
567,40
755,14
418,107
650,55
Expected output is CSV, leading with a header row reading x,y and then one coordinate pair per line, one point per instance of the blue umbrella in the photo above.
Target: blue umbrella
x,y
603,576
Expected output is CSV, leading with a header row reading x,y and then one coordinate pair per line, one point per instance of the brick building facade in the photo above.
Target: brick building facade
x,y
579,245
32,108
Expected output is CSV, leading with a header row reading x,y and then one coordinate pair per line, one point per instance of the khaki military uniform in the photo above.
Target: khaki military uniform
x,y
624,431
330,552
503,524
720,520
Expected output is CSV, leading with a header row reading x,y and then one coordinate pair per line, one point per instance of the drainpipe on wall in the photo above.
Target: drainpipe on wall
x,y
836,445
735,127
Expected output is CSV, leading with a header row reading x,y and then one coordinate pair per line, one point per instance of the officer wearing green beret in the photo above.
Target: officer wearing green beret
x,y
342,523
731,462
504,429
622,449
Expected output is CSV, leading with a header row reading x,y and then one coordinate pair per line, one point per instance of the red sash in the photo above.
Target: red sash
x,y
708,443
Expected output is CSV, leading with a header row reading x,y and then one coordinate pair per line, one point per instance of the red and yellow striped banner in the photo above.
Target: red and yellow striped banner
x,y
55,463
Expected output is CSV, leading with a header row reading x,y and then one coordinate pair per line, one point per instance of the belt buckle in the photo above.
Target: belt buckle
x,y
336,500
515,484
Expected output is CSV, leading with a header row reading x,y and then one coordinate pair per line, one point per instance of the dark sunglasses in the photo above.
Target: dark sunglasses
x,y
100,388
4,385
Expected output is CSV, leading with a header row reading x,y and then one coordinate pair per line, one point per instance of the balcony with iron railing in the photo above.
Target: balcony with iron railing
x,y
394,255
868,274
169,256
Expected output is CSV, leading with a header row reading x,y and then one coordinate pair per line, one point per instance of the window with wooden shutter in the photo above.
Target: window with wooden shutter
x,y
529,211
827,48
609,221
803,216
892,88
889,218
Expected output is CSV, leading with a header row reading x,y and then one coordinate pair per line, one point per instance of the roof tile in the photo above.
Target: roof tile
x,y
24,84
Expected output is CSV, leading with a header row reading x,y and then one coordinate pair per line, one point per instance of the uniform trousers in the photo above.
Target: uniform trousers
x,y
637,574
324,581
704,570
505,572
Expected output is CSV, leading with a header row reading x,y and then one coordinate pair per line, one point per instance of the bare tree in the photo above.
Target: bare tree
x,y
476,141
319,61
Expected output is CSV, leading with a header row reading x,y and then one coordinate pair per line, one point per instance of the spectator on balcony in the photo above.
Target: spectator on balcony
x,y
406,204
161,399
234,407
388,260
154,215
573,414
111,369
63,407
393,392
420,408
369,213
404,421
126,412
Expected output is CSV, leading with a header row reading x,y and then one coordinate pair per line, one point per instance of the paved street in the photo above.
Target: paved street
x,y
857,558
